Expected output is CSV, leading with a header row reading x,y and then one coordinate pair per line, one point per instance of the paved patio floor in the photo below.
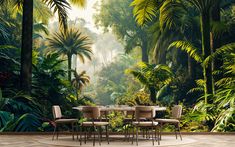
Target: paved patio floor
x,y
168,140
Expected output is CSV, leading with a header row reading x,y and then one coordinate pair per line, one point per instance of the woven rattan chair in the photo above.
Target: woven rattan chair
x,y
174,120
59,119
92,114
144,119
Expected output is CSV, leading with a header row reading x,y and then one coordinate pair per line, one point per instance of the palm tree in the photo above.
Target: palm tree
x,y
154,77
146,10
26,46
80,80
69,43
57,6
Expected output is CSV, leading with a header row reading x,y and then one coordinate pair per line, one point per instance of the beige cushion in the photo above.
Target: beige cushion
x,y
66,120
145,123
167,120
100,123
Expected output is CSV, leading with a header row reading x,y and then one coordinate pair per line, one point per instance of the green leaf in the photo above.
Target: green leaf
x,y
188,48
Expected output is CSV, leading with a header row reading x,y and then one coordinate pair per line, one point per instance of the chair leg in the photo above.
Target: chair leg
x,y
158,136
100,135
73,131
85,135
144,134
57,132
128,133
152,136
94,136
155,133
55,128
179,131
125,132
161,125
133,135
137,131
107,134
80,135
176,132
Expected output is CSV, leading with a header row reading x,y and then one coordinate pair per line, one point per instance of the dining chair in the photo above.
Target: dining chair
x,y
176,112
127,122
59,119
144,119
92,115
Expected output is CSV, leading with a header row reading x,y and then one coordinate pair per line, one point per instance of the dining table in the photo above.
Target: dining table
x,y
123,108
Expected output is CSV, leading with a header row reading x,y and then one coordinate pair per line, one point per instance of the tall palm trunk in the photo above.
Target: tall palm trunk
x,y
152,94
26,48
144,52
216,41
191,68
206,51
69,66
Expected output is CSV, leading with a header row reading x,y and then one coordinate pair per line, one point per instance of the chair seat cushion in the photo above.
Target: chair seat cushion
x,y
127,119
100,123
62,120
167,120
145,123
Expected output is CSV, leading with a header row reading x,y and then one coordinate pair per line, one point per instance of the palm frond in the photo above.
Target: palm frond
x,y
73,42
188,48
79,3
228,48
60,7
145,10
138,75
170,14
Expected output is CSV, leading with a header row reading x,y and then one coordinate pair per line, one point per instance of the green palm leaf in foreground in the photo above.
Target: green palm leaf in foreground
x,y
145,10
189,48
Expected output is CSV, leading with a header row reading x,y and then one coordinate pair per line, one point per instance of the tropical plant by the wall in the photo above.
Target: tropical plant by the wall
x,y
19,113
152,76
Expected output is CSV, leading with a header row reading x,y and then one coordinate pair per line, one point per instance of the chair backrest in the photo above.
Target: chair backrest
x,y
91,112
176,111
143,112
56,112
130,113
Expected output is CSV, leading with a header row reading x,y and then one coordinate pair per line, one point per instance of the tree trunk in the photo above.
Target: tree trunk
x,y
191,68
26,48
144,49
207,70
69,66
152,94
216,41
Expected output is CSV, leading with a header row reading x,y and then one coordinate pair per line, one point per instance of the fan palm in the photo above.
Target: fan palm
x,y
80,80
154,77
71,43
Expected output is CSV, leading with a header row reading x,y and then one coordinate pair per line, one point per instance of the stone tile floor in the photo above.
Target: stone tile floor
x,y
168,140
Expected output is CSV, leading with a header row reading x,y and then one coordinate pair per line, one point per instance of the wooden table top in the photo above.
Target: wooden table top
x,y
121,108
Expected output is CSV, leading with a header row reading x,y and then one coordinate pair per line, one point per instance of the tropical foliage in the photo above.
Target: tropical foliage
x,y
187,49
